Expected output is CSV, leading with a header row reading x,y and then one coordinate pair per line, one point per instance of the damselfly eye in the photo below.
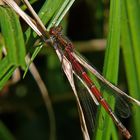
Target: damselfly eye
x,y
52,31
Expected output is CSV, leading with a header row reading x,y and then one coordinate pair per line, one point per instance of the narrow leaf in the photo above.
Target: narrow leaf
x,y
130,54
111,66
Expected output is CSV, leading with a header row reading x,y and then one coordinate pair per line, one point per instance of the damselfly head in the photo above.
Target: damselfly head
x,y
52,31
55,30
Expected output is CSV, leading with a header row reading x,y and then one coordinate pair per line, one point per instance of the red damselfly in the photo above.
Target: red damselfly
x,y
79,71
74,65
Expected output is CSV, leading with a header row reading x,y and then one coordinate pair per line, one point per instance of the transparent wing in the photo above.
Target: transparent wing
x,y
122,107
66,65
88,105
83,62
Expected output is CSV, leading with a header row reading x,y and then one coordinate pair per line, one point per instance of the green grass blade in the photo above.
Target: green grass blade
x,y
6,76
13,42
37,50
1,45
134,14
49,9
128,54
4,66
131,55
60,13
13,36
7,32
111,67
18,39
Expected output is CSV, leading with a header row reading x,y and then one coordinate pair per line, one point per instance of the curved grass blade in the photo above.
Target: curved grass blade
x,y
111,64
6,77
60,13
37,50
13,37
14,44
130,46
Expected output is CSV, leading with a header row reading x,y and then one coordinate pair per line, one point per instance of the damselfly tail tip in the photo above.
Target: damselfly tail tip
x,y
127,135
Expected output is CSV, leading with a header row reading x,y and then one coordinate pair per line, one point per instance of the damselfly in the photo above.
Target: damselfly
x,y
74,65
